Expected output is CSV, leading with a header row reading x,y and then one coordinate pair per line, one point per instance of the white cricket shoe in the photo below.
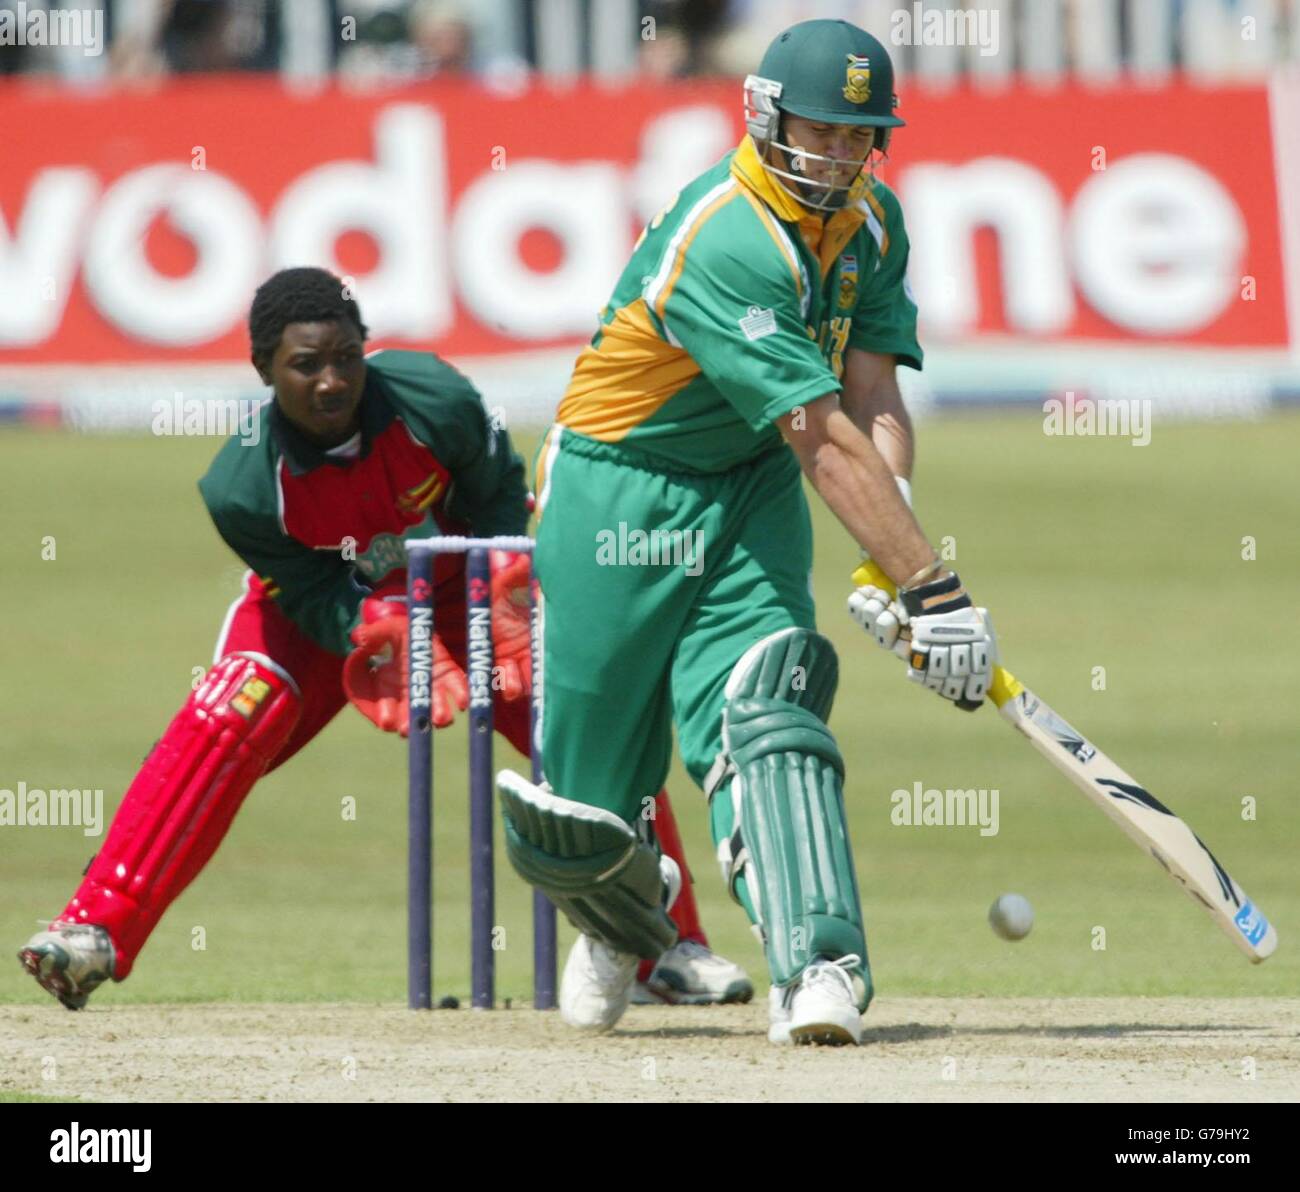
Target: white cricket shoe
x,y
69,960
821,1007
597,984
688,974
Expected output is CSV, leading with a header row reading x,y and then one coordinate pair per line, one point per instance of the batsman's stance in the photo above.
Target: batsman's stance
x,y
755,331
354,454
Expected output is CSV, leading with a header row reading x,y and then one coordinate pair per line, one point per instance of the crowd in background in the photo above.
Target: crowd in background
x,y
396,39
506,42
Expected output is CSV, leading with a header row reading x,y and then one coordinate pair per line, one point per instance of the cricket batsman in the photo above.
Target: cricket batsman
x,y
752,338
355,454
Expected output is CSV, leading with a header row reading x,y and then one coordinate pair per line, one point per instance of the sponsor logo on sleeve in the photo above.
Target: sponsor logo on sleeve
x,y
758,322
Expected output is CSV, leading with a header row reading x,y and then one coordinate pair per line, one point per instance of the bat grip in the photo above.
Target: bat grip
x,y
1005,685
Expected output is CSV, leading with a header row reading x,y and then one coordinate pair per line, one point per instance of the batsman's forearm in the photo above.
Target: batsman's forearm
x,y
856,482
881,415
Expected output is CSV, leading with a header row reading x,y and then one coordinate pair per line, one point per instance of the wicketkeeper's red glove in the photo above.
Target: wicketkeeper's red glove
x,y
511,639
374,674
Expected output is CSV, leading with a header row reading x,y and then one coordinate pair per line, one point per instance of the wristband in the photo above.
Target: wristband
x,y
944,595
921,576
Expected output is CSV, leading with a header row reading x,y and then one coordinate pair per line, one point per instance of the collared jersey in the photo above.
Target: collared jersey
x,y
737,306
325,530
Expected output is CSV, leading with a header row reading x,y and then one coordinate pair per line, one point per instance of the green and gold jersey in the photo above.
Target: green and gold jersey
x,y
736,307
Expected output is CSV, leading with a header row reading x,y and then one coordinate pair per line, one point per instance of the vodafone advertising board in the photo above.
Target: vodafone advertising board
x,y
134,226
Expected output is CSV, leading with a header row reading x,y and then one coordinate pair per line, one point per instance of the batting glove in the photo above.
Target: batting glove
x,y
953,648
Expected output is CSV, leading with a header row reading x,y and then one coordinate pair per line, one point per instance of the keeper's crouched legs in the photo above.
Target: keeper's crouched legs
x,y
784,841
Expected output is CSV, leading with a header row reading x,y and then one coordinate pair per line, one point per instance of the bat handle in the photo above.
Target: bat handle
x,y
1005,685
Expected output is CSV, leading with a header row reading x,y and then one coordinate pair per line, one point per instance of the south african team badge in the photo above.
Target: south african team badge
x,y
857,85
848,279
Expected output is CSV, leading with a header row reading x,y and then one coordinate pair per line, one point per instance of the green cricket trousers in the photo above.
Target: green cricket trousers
x,y
655,581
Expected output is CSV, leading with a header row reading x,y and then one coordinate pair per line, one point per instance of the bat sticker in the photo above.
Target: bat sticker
x,y
1066,737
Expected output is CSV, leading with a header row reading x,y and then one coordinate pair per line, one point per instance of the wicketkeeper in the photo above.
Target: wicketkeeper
x,y
355,454
751,340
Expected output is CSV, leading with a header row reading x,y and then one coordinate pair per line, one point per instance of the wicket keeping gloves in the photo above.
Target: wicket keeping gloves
x,y
374,675
512,643
953,648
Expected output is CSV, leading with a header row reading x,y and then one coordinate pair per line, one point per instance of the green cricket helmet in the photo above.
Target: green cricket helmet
x,y
828,71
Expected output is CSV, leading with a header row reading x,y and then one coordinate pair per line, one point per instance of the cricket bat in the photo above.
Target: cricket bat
x,y
1144,819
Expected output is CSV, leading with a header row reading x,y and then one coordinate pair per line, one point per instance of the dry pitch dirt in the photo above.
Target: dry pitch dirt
x,y
916,1049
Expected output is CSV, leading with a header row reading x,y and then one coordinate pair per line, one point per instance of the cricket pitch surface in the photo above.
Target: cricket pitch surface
x,y
914,1049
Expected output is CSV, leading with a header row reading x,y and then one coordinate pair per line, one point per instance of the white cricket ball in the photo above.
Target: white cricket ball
x,y
1011,916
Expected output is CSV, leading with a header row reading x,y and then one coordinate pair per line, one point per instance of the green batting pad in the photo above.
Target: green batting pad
x,y
590,863
786,784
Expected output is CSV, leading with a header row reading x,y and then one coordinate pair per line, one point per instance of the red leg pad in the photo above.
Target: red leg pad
x,y
684,913
181,803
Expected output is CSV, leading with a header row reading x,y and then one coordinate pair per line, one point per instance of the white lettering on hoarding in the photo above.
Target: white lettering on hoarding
x,y
42,252
944,206
1153,244
584,206
221,222
1156,242
401,202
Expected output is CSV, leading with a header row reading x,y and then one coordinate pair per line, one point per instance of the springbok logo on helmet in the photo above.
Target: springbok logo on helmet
x,y
857,88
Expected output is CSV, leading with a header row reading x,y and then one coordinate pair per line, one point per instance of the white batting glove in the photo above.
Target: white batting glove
x,y
953,649
880,615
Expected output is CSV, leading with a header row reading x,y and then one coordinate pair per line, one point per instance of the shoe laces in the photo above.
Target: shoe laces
x,y
834,972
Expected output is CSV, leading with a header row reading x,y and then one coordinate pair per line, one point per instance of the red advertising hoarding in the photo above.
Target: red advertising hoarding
x,y
134,225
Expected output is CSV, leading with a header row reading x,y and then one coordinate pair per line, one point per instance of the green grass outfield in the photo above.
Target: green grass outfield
x,y
1090,552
